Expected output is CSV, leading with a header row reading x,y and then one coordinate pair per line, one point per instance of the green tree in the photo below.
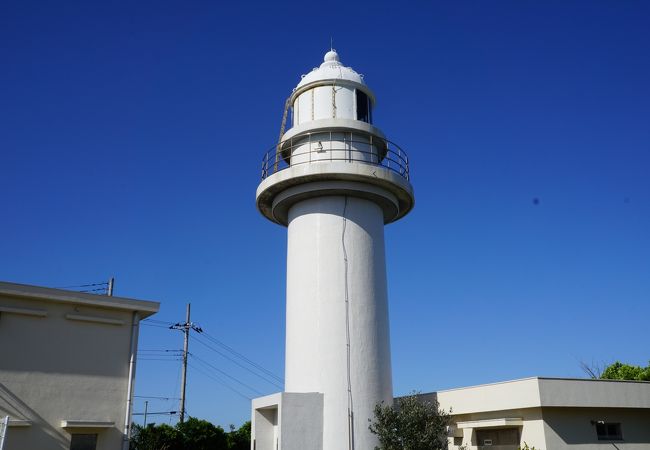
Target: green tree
x,y
411,424
155,437
240,439
200,434
193,434
620,371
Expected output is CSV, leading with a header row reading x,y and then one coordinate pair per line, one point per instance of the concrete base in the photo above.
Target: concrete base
x,y
287,421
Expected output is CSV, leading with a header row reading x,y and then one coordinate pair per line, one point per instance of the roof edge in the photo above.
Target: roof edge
x,y
64,296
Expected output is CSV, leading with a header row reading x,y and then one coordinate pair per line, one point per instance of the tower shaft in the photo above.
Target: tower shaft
x,y
337,339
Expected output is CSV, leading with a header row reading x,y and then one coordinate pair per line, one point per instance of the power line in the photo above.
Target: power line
x,y
225,374
156,398
239,355
157,321
216,378
154,325
160,359
263,377
103,283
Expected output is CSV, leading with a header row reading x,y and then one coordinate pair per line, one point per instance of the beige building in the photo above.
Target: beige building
x,y
67,362
550,414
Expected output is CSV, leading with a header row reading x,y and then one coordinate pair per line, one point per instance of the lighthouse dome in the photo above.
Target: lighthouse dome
x,y
331,69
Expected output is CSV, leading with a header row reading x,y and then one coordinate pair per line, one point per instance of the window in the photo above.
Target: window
x,y
609,431
364,107
505,437
83,442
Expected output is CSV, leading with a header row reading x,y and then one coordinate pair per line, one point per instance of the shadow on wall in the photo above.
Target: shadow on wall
x,y
55,344
39,431
577,425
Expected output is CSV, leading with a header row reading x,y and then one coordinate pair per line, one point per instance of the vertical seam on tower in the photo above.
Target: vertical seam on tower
x,y
347,330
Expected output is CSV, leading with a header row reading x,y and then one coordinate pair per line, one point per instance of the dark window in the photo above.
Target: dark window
x,y
498,436
364,109
609,431
83,442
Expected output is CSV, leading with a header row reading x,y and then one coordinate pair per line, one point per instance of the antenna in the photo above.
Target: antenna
x,y
331,43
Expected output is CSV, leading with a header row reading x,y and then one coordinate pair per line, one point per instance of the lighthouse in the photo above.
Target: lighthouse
x,y
334,180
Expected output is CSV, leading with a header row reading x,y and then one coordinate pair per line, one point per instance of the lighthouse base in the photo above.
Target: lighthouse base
x,y
287,421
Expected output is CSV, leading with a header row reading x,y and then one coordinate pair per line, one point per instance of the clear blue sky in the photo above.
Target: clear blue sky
x,y
131,135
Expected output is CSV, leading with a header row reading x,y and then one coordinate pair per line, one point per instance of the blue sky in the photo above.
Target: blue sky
x,y
131,135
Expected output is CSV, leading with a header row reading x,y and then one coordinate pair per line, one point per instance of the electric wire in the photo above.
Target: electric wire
x,y
225,374
104,283
154,325
216,378
176,386
263,377
242,357
155,398
159,359
162,322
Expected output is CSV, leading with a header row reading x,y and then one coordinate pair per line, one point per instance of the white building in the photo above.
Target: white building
x,y
67,362
334,180
549,414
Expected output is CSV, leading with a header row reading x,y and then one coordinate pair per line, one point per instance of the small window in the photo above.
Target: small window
x,y
364,108
83,442
497,437
609,431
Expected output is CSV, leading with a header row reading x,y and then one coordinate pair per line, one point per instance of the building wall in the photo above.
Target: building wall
x,y
55,368
572,428
532,431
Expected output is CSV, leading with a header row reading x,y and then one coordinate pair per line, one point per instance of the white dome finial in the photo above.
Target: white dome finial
x,y
331,56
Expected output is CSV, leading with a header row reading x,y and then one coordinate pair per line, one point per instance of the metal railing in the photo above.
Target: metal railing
x,y
320,147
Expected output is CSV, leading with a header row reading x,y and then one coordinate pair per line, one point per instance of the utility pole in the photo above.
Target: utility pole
x,y
146,407
185,327
109,290
186,342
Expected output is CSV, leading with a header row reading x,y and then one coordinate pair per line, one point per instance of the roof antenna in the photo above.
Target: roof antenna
x,y
331,44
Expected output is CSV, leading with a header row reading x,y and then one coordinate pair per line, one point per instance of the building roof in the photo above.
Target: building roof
x,y
547,392
145,307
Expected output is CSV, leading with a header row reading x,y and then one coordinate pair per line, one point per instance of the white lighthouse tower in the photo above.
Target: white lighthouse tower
x,y
334,180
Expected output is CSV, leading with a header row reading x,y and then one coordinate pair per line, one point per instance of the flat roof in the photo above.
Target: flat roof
x,y
547,392
26,291
517,380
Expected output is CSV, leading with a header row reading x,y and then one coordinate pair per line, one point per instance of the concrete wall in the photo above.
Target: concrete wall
x,y
518,394
556,413
287,421
594,393
532,432
317,319
63,366
572,428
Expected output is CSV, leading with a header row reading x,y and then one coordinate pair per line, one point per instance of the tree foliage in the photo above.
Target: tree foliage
x,y
193,434
620,371
240,439
411,424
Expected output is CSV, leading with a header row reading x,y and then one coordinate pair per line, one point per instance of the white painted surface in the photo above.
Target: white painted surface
x,y
64,376
553,413
316,349
331,69
547,392
288,421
